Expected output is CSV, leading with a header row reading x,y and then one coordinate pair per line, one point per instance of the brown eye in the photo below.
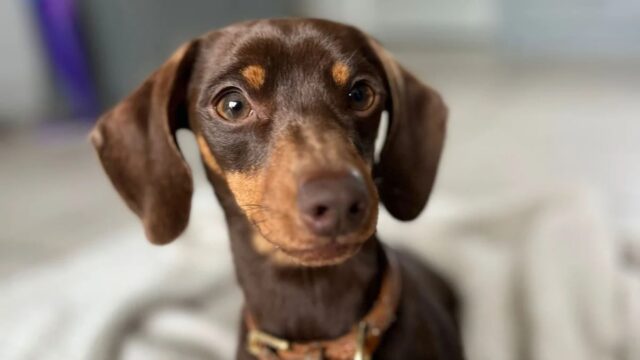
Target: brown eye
x,y
361,96
233,107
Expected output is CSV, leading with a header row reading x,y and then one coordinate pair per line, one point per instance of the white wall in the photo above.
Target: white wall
x,y
23,84
572,28
411,20
548,28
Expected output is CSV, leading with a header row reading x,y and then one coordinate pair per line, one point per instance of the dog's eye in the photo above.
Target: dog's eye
x,y
233,107
361,96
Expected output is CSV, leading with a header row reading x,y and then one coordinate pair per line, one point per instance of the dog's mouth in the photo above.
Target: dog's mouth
x,y
324,255
309,250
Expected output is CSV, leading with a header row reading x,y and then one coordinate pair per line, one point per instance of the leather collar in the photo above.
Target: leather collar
x,y
358,344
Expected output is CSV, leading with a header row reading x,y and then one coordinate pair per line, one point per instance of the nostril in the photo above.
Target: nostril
x,y
320,210
356,208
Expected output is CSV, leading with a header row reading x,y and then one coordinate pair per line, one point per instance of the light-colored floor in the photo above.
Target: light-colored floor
x,y
514,125
54,196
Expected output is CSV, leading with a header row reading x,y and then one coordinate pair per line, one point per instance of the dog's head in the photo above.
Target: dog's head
x,y
286,114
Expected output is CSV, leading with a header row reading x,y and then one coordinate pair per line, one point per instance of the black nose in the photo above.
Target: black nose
x,y
332,205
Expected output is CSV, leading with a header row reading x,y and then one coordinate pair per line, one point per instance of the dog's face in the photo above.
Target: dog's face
x,y
286,114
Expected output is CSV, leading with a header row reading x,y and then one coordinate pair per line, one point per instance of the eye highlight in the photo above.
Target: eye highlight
x,y
361,96
233,106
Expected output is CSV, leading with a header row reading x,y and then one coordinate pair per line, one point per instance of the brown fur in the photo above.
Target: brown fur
x,y
301,126
207,156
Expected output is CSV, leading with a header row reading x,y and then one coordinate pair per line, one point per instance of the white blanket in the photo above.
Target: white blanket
x,y
542,277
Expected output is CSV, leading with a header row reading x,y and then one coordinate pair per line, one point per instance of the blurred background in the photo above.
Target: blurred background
x,y
535,216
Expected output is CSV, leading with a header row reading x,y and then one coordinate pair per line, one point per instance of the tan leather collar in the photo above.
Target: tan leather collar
x,y
358,344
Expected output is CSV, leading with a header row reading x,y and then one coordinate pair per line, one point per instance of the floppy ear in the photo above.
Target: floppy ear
x,y
409,158
136,145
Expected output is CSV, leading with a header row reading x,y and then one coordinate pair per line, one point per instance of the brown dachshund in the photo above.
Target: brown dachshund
x,y
286,113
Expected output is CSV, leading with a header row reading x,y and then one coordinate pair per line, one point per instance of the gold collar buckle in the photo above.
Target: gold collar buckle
x,y
259,341
361,342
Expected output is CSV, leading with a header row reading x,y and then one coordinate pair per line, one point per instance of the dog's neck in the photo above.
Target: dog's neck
x,y
304,303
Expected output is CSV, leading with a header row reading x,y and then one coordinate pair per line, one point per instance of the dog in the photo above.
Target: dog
x,y
286,113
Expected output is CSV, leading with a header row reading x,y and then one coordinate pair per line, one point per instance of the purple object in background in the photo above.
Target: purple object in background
x,y
58,24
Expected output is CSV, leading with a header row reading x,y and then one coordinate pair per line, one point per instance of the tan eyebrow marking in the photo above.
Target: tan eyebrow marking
x,y
340,73
254,74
